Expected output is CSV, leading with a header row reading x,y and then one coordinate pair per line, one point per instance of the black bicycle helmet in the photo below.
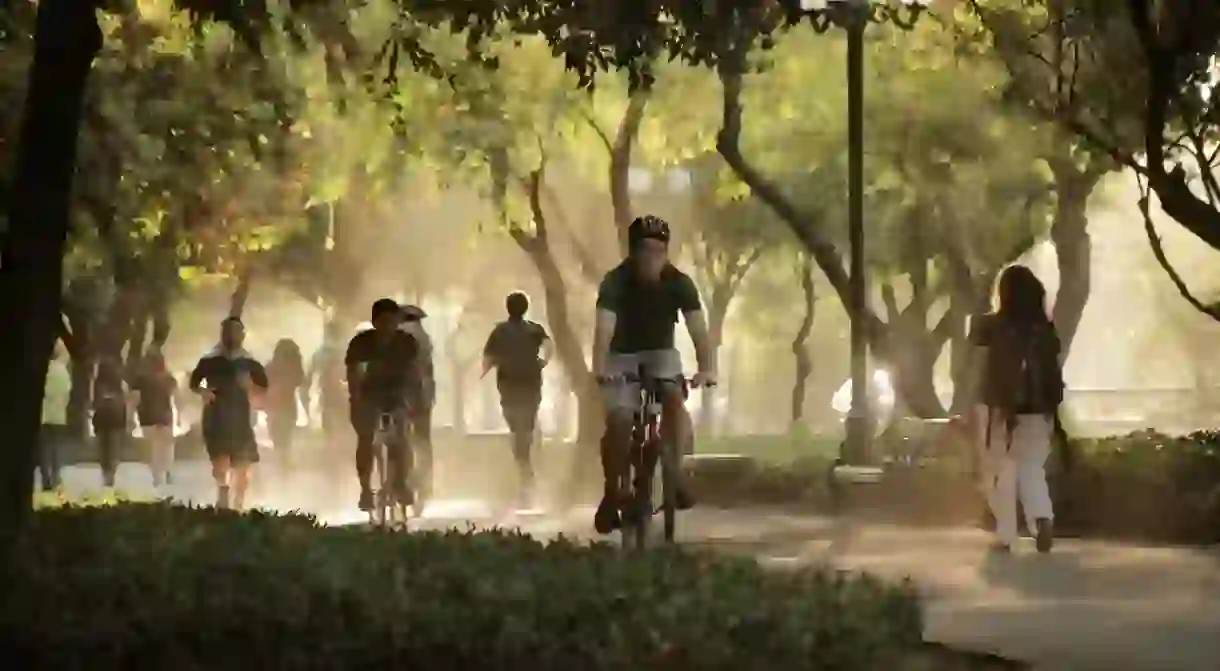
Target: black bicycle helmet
x,y
647,226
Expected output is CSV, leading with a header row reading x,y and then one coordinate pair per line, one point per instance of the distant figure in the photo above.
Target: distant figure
x,y
227,378
54,419
421,406
519,349
110,406
1017,396
286,373
154,388
326,371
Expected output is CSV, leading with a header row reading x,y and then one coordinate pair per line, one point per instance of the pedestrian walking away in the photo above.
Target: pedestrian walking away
x,y
1016,396
518,349
286,374
153,387
55,398
111,406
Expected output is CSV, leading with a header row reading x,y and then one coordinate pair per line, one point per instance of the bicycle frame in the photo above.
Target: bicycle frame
x,y
648,447
388,512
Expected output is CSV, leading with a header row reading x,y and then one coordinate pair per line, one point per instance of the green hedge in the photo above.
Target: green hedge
x,y
160,586
1144,486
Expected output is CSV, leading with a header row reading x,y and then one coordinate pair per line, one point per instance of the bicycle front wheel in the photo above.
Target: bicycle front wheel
x,y
671,463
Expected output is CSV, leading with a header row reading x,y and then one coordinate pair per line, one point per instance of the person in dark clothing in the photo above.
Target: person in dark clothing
x,y
381,378
154,388
638,306
286,372
519,349
109,415
226,378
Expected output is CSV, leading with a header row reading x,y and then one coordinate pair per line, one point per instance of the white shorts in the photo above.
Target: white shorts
x,y
622,396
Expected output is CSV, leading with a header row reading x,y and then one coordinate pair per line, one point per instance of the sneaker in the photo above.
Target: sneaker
x,y
222,497
366,500
607,519
1044,538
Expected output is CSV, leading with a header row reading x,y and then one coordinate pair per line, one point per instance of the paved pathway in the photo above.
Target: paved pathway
x,y
1086,606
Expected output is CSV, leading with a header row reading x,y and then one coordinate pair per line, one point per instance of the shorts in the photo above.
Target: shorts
x,y
520,403
239,450
624,397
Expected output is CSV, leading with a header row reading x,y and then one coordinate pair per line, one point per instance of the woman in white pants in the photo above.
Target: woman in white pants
x,y
1008,473
1018,393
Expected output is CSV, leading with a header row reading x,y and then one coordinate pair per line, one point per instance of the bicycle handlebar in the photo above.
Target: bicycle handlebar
x,y
634,378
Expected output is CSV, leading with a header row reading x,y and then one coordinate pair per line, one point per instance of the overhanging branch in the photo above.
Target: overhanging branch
x,y
728,144
1158,250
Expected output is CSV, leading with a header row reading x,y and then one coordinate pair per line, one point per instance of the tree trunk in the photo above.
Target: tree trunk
x,y
241,294
912,362
620,165
1073,248
67,38
567,343
457,368
718,312
800,343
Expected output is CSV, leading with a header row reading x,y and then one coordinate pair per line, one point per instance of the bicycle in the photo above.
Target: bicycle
x,y
388,511
647,449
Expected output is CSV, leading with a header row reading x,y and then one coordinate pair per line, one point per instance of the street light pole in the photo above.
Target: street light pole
x,y
854,16
859,420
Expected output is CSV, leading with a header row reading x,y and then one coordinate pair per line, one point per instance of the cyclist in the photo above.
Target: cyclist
x,y
638,304
421,406
380,374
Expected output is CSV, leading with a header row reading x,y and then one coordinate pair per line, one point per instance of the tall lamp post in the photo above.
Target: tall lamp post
x,y
854,16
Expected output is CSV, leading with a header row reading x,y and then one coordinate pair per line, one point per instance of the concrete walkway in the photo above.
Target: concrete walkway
x,y
1086,606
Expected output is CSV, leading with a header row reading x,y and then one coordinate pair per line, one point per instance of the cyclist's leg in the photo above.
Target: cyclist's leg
x,y
620,399
364,423
676,427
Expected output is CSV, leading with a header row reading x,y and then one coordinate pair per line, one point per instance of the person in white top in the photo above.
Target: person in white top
x,y
54,418
421,406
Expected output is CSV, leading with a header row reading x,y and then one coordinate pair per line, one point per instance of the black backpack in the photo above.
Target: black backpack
x,y
1022,375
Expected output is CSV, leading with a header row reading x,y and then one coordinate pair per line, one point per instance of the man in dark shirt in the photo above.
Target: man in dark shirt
x,y
226,378
638,304
519,349
380,379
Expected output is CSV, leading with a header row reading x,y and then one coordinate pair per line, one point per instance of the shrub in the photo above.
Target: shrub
x,y
161,586
1145,485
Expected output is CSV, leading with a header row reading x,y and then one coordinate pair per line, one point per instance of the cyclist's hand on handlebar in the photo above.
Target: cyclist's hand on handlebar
x,y
703,379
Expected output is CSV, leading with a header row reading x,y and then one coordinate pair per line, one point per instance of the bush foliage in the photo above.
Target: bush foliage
x,y
1145,486
162,586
